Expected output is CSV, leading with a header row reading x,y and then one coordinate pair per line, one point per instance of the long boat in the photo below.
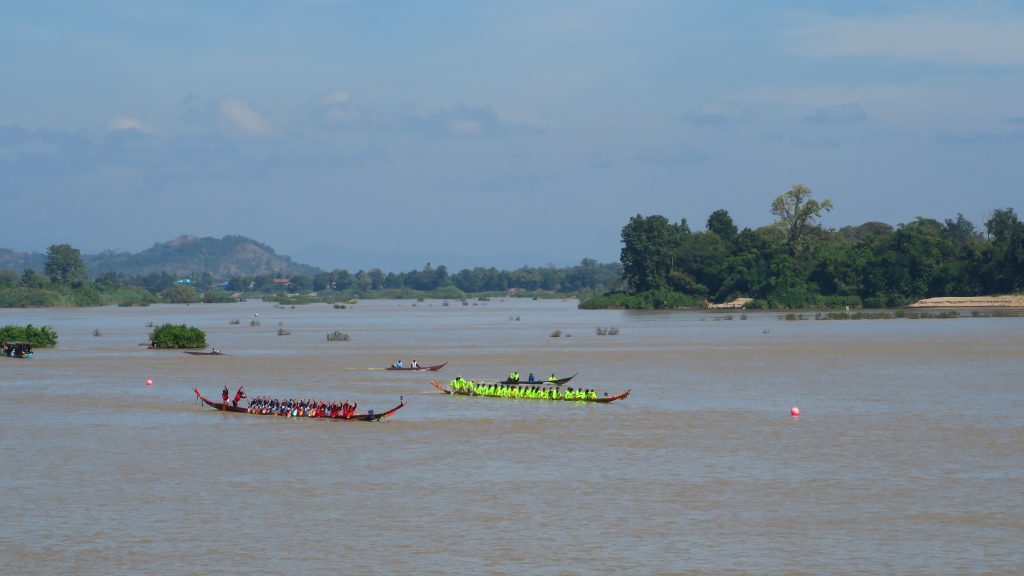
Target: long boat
x,y
212,353
370,416
433,368
601,400
17,349
521,382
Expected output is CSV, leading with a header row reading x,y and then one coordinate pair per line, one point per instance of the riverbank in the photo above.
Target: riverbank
x,y
1008,301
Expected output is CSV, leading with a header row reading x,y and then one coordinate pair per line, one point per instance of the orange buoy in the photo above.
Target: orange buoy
x,y
794,411
149,382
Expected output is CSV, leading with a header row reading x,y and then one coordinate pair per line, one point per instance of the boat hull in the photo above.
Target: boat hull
x,y
600,400
557,382
433,368
368,417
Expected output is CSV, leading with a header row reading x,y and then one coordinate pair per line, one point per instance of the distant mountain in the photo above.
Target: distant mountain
x,y
224,257
19,261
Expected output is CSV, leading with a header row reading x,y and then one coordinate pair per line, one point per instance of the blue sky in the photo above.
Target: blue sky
x,y
351,134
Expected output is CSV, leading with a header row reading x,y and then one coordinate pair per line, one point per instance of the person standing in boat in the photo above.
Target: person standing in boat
x,y
415,364
225,395
238,396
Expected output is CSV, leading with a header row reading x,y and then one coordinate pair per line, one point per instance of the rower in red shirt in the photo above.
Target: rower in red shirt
x,y
238,395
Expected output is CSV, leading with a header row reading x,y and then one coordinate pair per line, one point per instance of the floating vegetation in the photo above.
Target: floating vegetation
x,y
337,336
234,322
858,315
255,323
445,303
282,332
901,313
339,306
792,316
556,334
513,318
149,324
997,314
743,316
611,331
96,332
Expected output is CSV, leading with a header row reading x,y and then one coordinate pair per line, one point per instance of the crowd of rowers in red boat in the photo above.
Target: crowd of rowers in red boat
x,y
292,407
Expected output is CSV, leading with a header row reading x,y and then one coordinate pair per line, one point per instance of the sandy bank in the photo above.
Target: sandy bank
x,y
734,305
1012,301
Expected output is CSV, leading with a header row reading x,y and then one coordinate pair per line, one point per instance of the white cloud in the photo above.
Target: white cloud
x,y
464,121
335,108
948,37
336,97
243,117
717,113
839,114
127,123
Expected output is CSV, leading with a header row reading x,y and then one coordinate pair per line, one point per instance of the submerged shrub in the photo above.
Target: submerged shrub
x,y
43,337
178,336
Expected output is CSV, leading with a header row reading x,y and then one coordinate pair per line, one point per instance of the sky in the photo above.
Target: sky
x,y
357,134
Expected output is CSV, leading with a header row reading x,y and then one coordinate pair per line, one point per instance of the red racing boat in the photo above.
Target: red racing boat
x,y
370,416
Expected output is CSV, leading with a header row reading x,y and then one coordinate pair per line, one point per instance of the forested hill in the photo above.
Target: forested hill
x,y
20,261
221,258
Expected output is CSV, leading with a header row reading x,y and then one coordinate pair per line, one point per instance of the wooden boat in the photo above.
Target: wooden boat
x,y
17,349
370,416
602,400
211,353
433,368
522,382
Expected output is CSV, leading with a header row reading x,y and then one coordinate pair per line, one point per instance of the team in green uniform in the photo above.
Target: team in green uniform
x,y
462,386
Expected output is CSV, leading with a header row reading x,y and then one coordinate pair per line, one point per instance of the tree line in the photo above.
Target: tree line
x,y
795,262
65,282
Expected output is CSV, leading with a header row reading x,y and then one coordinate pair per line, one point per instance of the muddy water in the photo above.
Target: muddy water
x,y
908,456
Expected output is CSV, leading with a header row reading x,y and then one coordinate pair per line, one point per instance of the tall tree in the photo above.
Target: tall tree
x,y
64,266
1005,265
721,224
798,214
648,247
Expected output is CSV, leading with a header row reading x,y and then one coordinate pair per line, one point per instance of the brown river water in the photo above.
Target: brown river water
x,y
907,458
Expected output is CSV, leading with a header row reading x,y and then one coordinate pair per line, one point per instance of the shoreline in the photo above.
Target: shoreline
x,y
1008,301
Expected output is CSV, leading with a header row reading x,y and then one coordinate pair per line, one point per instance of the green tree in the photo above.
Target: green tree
x,y
178,336
721,224
1005,256
798,214
8,278
31,278
180,294
40,337
64,266
648,247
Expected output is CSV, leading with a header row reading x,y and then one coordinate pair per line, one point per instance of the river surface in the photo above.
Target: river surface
x,y
907,456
